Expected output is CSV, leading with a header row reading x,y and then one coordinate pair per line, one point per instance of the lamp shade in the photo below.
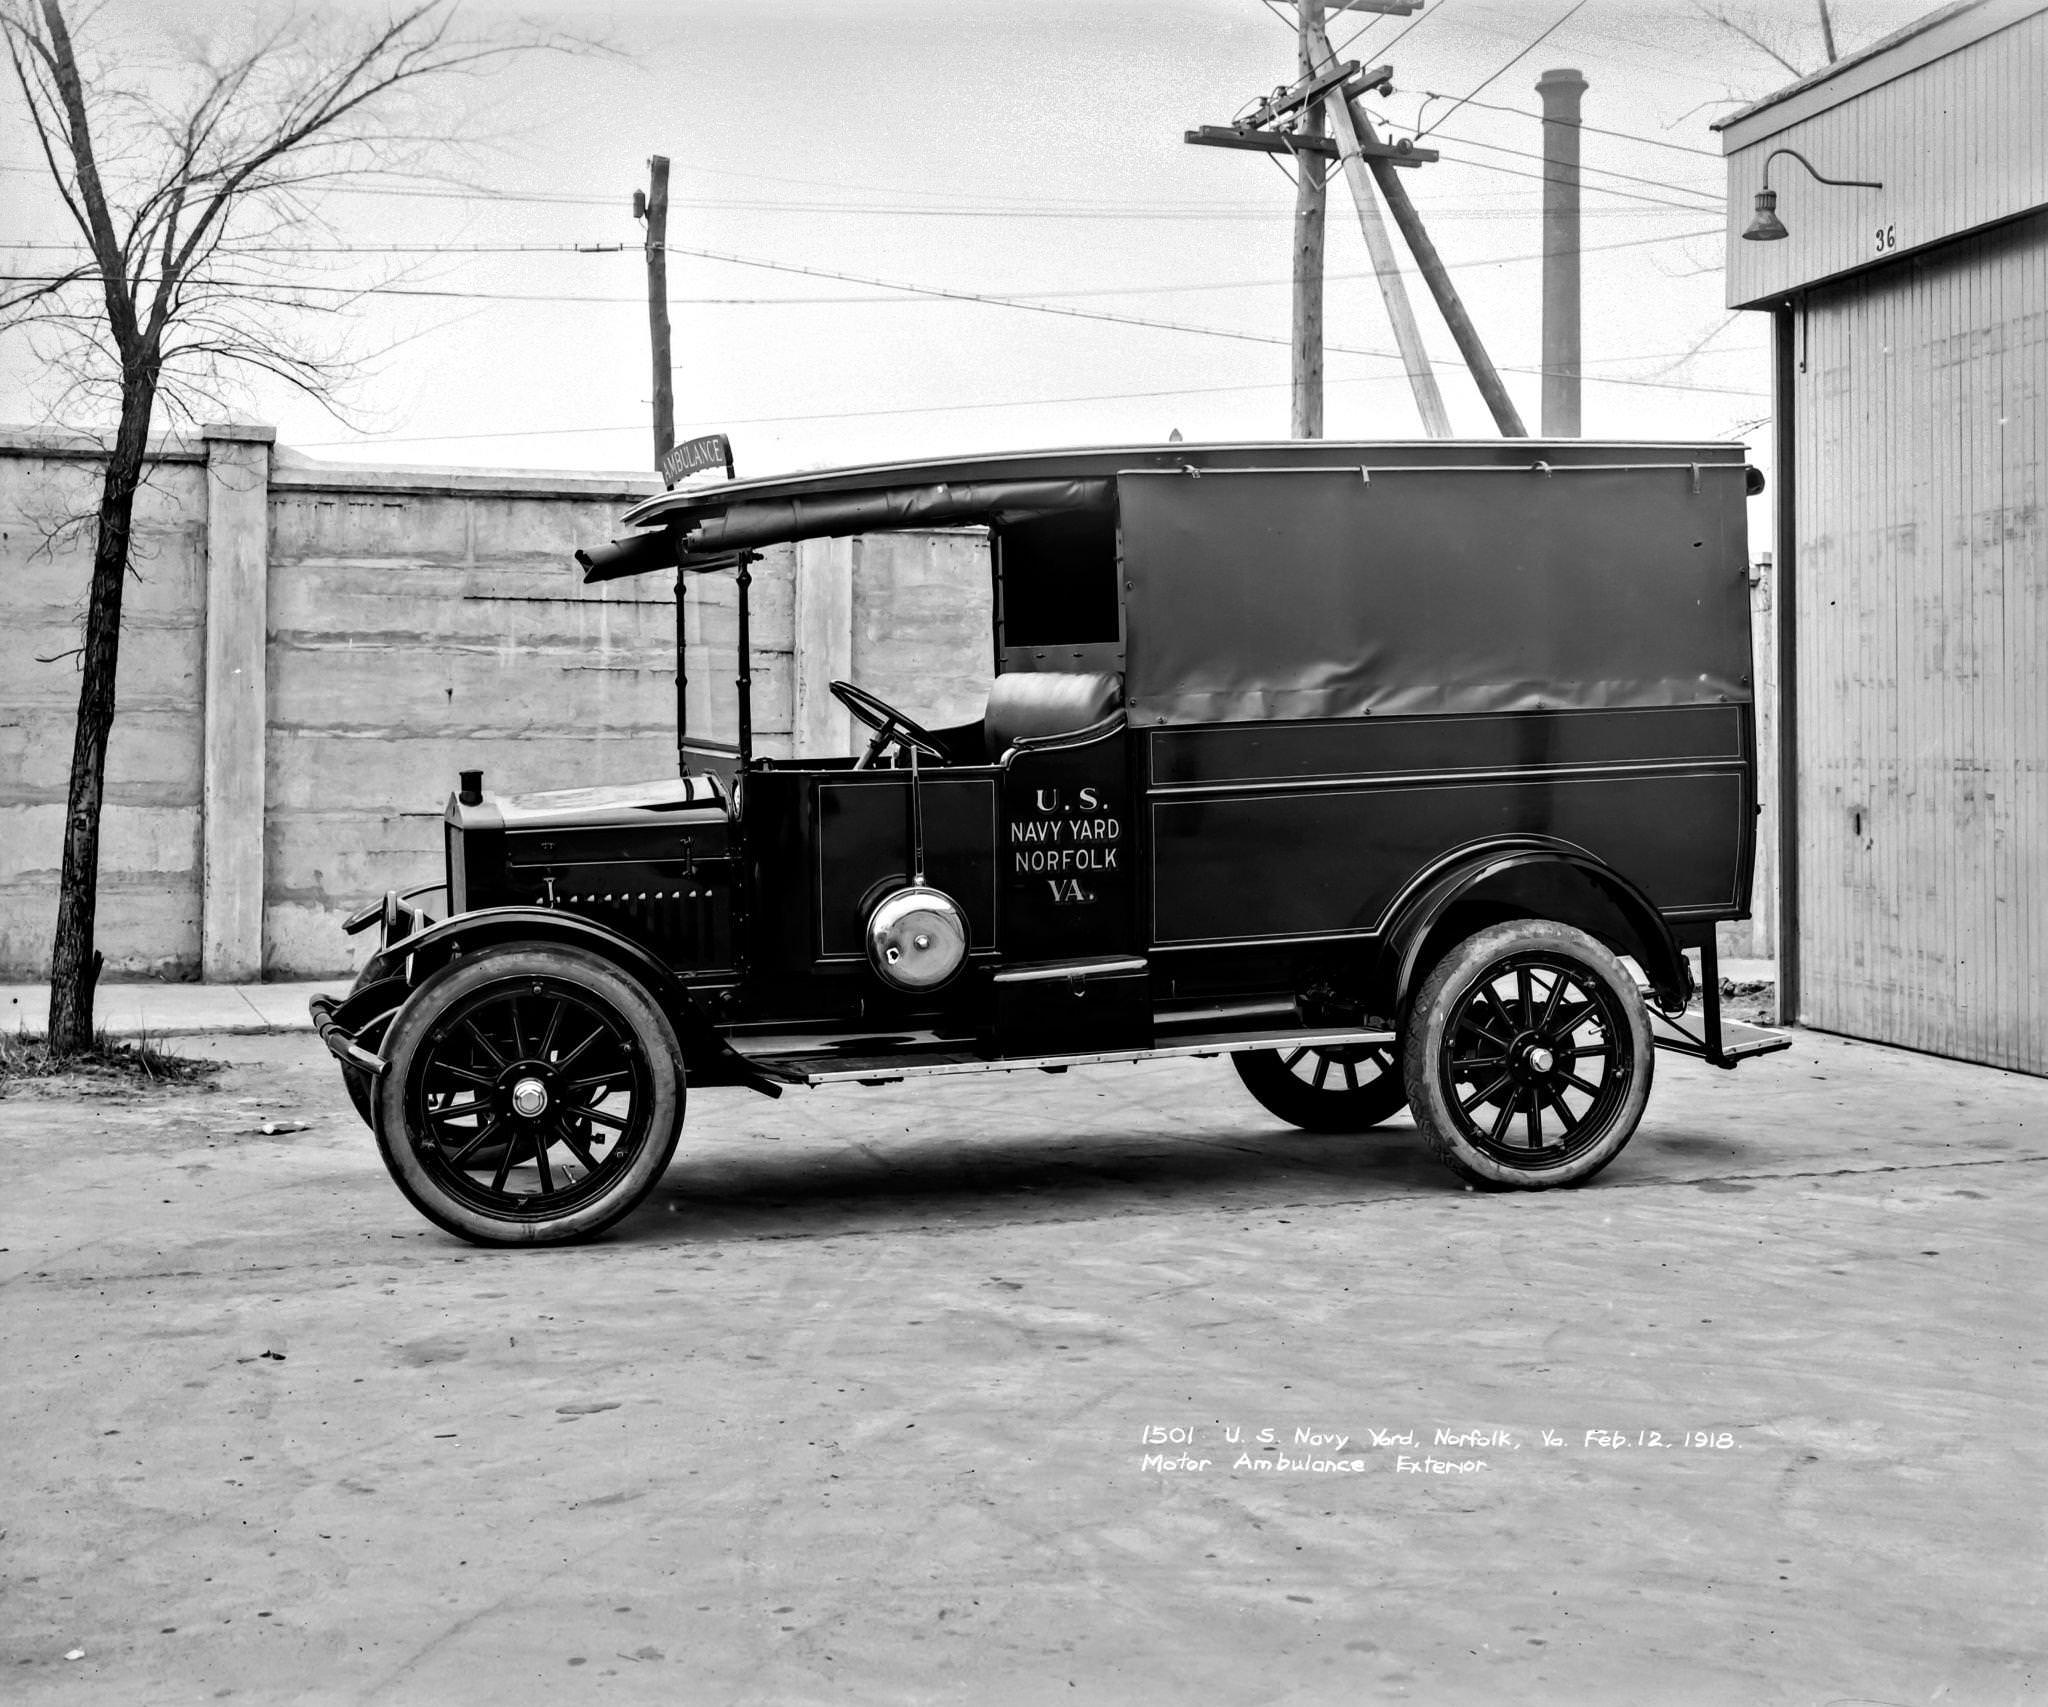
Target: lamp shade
x,y
1767,227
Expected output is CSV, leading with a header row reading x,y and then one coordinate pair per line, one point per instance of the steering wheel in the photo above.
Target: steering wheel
x,y
891,727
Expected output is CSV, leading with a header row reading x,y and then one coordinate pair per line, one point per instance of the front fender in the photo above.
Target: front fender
x,y
413,957
399,967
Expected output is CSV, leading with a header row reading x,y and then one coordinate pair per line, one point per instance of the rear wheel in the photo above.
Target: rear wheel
x,y
534,1095
1527,1056
1346,1087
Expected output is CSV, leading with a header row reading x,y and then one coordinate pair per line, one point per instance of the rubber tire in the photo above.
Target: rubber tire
x,y
652,1034
1280,1093
1423,1043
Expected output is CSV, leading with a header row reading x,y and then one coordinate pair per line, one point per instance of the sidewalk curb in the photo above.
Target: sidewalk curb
x,y
177,1010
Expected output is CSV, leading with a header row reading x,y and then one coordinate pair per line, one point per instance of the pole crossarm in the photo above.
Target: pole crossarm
x,y
1310,89
1399,153
1260,141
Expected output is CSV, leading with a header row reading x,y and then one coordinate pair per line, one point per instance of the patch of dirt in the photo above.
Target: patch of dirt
x,y
111,1067
1753,1001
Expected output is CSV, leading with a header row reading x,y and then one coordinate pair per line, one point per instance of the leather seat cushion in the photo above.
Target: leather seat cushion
x,y
1052,702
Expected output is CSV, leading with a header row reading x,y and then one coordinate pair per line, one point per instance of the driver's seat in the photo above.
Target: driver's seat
x,y
1028,704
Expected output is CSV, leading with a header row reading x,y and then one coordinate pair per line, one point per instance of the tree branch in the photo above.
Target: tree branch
x,y
1722,17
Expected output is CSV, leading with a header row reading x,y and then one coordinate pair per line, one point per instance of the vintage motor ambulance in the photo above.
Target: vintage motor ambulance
x,y
1403,774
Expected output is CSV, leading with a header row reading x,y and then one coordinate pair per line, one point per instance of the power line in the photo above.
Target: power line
x,y
988,207
1124,319
862,414
483,249
958,408
935,291
942,293
1714,198
1047,210
376,248
990,300
1165,212
1596,189
1624,135
1515,59
1392,41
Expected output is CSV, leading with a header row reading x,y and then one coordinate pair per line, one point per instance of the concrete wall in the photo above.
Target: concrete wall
x,y
398,625
423,622
150,828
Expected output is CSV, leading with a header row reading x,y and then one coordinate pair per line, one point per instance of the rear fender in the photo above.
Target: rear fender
x,y
1529,879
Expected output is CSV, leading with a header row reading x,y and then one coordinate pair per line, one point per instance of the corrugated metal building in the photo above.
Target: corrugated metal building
x,y
1911,399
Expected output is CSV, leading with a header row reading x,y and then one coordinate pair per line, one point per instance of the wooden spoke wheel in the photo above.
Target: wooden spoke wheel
x,y
534,1095
1348,1087
1528,1056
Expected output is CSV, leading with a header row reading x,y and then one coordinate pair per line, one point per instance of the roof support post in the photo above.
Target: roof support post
x,y
744,682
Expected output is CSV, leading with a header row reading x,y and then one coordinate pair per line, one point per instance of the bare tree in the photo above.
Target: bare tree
x,y
181,181
1771,37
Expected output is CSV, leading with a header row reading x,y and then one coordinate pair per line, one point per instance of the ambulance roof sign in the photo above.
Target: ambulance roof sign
x,y
694,456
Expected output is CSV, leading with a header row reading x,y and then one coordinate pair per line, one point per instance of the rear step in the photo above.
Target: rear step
x,y
919,1059
1694,1033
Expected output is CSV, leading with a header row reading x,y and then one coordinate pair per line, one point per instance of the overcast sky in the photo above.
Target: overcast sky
x,y
1028,149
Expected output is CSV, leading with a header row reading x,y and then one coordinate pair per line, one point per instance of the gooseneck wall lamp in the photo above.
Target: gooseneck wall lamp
x,y
1767,227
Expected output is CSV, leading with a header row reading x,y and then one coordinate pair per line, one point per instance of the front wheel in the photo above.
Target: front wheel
x,y
534,1095
1339,1087
1527,1056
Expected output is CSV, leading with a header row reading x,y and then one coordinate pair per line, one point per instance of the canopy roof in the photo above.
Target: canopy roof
x,y
701,526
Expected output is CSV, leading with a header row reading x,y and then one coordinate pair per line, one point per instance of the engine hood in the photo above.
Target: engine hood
x,y
673,800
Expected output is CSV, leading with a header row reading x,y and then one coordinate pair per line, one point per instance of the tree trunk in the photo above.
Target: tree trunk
x,y
74,965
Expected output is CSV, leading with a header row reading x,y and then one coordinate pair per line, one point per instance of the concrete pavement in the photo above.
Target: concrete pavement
x,y
881,1398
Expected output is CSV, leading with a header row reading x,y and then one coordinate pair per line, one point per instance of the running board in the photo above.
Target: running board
x,y
837,1067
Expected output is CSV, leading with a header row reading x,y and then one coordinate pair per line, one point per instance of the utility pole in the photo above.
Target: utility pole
x,y
653,208
1309,202
1429,401
1290,121
1561,90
